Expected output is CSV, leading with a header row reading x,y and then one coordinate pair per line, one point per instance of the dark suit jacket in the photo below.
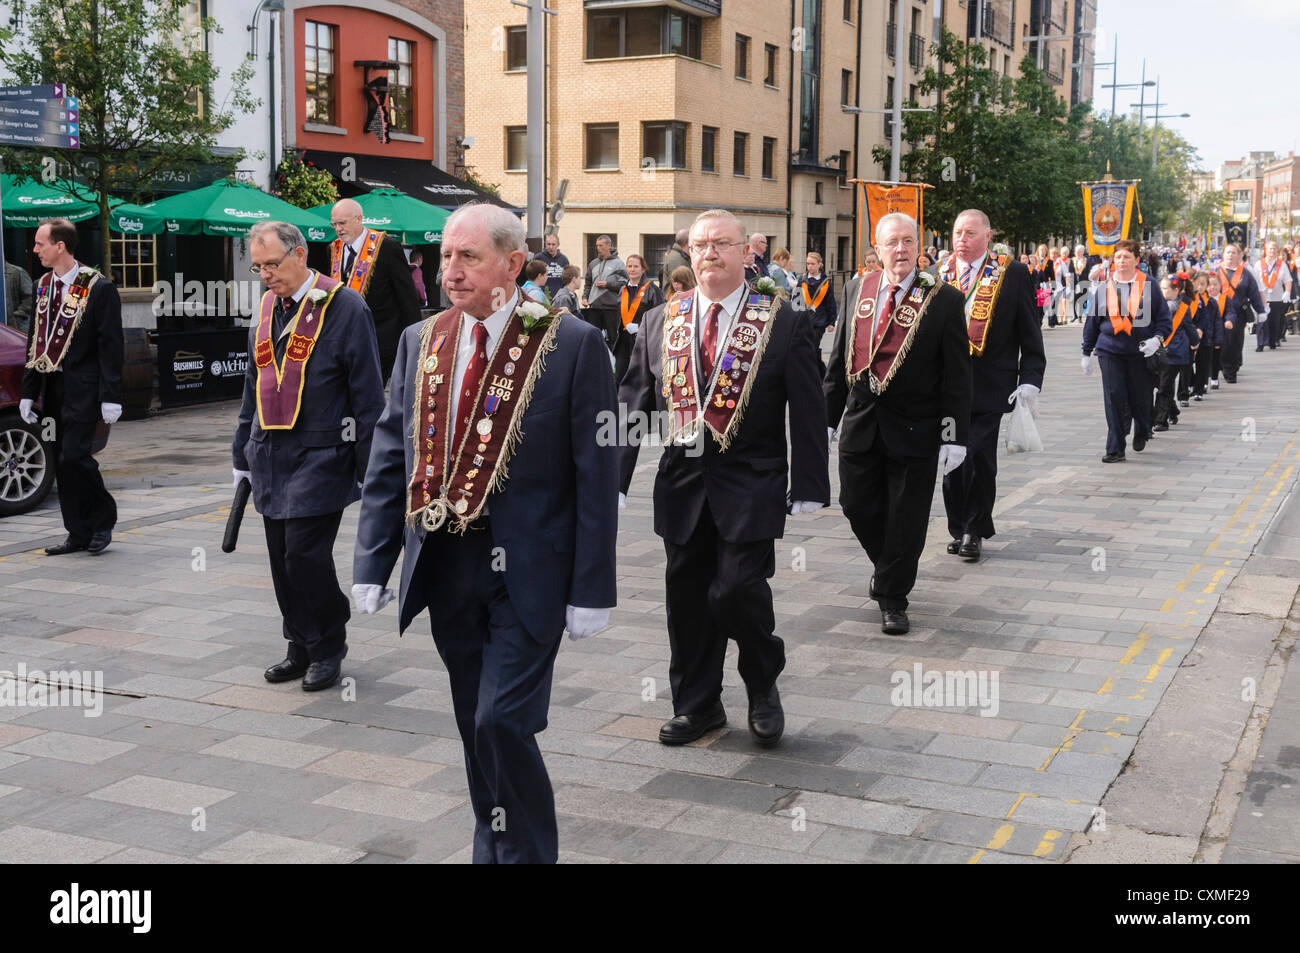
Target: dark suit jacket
x,y
92,366
392,299
314,468
932,387
745,486
556,517
825,314
1013,354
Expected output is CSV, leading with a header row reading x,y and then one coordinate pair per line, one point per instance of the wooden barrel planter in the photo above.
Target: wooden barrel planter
x,y
137,374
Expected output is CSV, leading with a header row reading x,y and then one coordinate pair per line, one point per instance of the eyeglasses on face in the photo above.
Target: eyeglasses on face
x,y
721,247
269,269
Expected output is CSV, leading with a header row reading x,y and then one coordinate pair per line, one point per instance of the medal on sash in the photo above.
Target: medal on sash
x,y
888,349
981,299
52,332
362,267
280,384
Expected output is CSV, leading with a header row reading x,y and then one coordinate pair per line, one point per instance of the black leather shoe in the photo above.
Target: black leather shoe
x,y
1113,458
970,548
953,547
1159,428
1184,403
1139,442
766,719
324,673
681,729
99,542
69,545
286,671
894,622
871,587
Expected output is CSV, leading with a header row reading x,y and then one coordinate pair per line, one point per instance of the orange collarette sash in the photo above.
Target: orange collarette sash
x,y
1230,284
1270,277
363,267
733,374
451,484
280,384
630,313
1123,322
1178,319
890,350
814,302
982,298
52,333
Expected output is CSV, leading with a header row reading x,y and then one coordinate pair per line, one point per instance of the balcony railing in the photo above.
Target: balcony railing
x,y
916,50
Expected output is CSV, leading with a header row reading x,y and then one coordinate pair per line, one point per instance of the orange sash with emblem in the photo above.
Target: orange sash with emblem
x,y
363,267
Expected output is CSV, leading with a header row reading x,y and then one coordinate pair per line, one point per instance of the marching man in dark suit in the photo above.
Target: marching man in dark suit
x,y
373,265
1007,359
312,395
723,362
900,376
486,474
74,370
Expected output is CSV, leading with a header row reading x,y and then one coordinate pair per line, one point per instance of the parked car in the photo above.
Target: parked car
x,y
26,461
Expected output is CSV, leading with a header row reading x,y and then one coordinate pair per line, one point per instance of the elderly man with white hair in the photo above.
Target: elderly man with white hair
x,y
487,476
900,377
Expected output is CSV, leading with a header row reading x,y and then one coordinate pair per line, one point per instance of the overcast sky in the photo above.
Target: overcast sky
x,y
1193,46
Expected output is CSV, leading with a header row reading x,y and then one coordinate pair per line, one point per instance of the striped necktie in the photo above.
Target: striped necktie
x,y
965,280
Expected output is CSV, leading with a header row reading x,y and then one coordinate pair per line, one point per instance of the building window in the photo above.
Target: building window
x,y
842,243
653,249
846,87
709,149
740,145
647,31
516,48
769,69
664,144
844,168
516,148
848,11
400,85
769,158
810,70
602,145
817,193
742,56
318,67
134,261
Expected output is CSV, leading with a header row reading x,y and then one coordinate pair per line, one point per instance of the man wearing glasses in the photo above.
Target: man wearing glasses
x,y
312,396
373,265
722,363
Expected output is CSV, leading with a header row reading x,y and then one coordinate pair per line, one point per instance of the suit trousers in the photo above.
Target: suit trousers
x,y
622,353
609,322
84,501
886,499
313,608
1233,342
970,491
1202,364
500,689
1185,375
1166,404
718,590
1269,332
1126,386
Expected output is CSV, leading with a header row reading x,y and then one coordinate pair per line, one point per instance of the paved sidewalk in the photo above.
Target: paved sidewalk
x,y
1093,593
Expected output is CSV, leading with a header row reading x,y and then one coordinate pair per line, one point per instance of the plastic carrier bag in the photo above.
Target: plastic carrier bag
x,y
1022,430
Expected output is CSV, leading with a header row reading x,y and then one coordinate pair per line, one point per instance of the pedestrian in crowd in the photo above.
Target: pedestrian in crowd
x,y
312,394
566,299
1274,279
373,265
1243,301
76,378
1180,347
779,270
555,261
683,279
417,277
1076,283
534,272
1007,361
606,275
675,257
1216,294
817,296
871,262
900,377
758,268
1044,278
720,496
1208,321
1125,326
636,298
1293,313
507,529
18,297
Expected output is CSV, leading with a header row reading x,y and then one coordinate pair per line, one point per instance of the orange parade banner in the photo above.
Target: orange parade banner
x,y
878,199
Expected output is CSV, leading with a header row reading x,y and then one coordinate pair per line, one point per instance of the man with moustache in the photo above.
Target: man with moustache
x,y
1007,360
900,376
724,363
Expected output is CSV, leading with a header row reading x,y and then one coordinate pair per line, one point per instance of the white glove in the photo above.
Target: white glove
x,y
110,412
1029,394
25,411
369,599
951,456
800,506
1086,364
1149,346
830,434
582,623
633,328
241,475
622,501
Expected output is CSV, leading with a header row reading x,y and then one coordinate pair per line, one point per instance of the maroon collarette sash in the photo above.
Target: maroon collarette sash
x,y
52,333
981,299
280,384
733,375
889,351
453,483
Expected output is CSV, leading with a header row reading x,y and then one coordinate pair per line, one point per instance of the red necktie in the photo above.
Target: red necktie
x,y
882,319
709,342
57,301
469,389
862,342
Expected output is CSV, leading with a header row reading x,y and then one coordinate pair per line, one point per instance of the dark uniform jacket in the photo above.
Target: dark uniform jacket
x,y
92,364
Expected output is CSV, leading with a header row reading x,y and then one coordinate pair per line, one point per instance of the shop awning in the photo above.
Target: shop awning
x,y
416,177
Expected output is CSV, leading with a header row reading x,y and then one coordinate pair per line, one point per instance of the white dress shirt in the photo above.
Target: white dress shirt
x,y
495,324
883,292
355,245
730,307
291,320
1281,281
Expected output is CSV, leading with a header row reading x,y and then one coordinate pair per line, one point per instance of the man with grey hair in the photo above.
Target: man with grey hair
x,y
606,276
312,395
488,478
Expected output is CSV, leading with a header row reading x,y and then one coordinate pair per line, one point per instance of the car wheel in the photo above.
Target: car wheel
x,y
26,466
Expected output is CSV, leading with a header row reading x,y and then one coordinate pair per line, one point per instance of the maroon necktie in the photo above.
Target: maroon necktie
x,y
862,342
56,302
709,342
473,378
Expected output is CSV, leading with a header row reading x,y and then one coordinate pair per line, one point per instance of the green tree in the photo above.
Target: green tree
x,y
1207,211
143,78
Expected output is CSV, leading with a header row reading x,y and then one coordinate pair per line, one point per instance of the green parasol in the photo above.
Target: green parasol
x,y
409,220
226,207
